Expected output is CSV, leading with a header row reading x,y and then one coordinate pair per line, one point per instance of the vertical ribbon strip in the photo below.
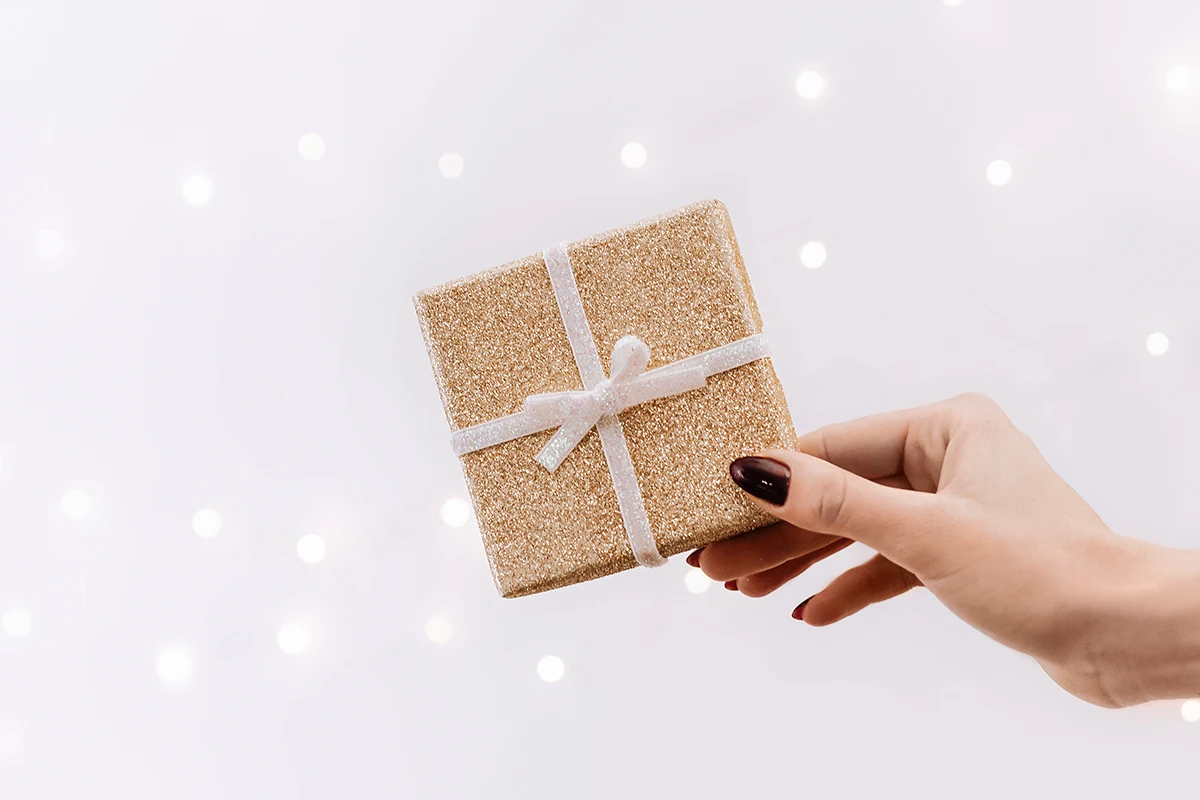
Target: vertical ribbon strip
x,y
612,435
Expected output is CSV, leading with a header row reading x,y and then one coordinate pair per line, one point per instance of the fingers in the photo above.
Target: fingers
x,y
818,496
763,583
872,447
758,551
855,589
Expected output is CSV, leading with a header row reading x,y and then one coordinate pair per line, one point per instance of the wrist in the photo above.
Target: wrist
x,y
1146,645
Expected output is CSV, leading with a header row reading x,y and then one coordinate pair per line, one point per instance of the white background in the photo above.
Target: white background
x,y
258,355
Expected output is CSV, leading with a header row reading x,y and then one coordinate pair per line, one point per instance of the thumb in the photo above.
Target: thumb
x,y
816,495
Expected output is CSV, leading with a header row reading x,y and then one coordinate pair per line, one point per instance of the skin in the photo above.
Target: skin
x,y
954,498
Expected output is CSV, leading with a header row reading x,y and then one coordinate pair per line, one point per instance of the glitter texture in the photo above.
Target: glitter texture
x,y
678,283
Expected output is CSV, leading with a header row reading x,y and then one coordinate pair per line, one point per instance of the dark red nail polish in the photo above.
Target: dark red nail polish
x,y
765,478
731,585
694,559
799,612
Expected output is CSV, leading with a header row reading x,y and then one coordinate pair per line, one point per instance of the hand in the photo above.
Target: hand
x,y
953,497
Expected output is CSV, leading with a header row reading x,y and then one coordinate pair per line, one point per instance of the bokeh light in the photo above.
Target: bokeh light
x,y
551,669
451,165
633,155
810,85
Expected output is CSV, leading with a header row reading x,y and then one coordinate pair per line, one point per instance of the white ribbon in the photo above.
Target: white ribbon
x,y
629,385
602,399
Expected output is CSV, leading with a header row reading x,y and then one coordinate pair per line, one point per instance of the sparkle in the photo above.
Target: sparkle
x,y
1179,78
696,581
206,523
1157,344
76,504
311,147
311,548
810,85
999,172
551,669
16,622
456,512
812,255
174,665
293,638
451,165
197,190
633,155
50,244
438,630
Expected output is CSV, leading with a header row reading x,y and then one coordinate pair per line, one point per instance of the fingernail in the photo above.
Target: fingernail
x,y
694,559
764,478
799,612
731,585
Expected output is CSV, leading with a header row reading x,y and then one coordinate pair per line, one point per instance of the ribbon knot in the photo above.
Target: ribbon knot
x,y
629,385
606,398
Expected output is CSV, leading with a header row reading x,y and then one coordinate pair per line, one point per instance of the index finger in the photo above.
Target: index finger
x,y
870,447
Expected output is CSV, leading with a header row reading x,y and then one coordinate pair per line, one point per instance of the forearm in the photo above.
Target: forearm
x,y
1151,651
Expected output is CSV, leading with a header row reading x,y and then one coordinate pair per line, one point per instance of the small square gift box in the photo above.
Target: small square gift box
x,y
597,392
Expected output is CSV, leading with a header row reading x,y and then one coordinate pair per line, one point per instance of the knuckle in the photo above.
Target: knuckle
x,y
976,402
822,445
830,508
980,412
900,581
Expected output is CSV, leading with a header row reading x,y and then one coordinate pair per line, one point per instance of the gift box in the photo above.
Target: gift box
x,y
597,392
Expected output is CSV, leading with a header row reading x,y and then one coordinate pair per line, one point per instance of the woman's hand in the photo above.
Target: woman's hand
x,y
953,497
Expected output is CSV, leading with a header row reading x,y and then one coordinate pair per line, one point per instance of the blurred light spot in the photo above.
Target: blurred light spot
x,y
633,155
197,190
438,630
696,581
1157,344
810,85
451,165
1190,711
76,504
456,512
311,548
50,244
551,669
1179,78
311,147
206,523
16,622
293,638
174,665
812,255
999,173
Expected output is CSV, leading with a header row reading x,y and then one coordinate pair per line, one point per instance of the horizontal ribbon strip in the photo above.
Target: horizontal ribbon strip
x,y
526,422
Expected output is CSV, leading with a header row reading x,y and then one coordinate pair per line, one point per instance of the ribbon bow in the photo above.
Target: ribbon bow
x,y
628,386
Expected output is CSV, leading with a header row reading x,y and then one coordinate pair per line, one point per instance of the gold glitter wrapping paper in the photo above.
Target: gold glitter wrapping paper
x,y
677,282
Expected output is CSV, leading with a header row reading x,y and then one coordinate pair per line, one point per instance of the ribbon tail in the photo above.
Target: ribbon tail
x,y
564,441
558,407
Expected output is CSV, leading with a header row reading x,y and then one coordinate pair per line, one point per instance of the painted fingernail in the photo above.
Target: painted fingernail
x,y
694,559
764,478
731,585
799,612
